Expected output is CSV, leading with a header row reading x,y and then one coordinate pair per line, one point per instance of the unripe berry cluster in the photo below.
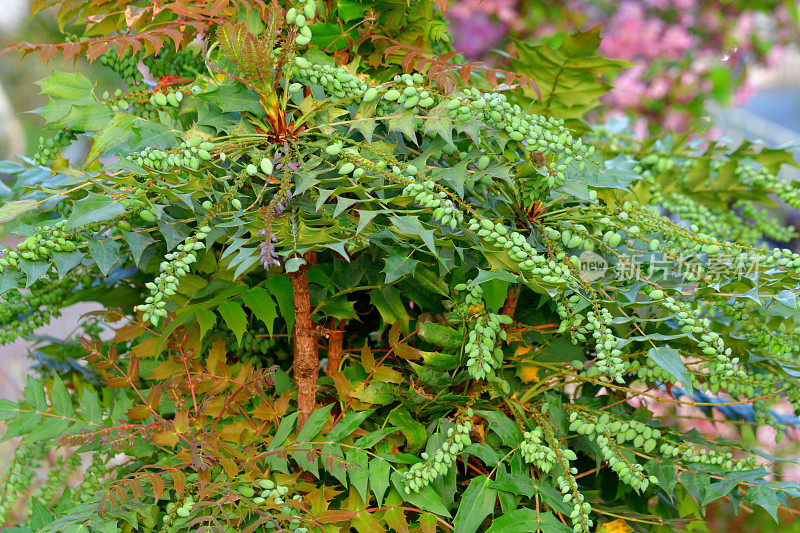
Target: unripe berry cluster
x,y
50,148
172,99
484,357
92,480
175,266
21,471
536,452
22,313
422,474
273,494
473,296
300,19
189,154
608,435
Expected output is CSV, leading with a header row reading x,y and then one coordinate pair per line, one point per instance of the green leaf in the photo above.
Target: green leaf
x,y
764,496
13,210
62,403
34,395
90,407
347,425
670,360
137,242
34,270
413,431
410,225
477,503
519,484
550,524
105,254
66,261
94,208
506,429
397,266
281,289
174,232
66,85
717,490
234,317
118,131
314,423
358,470
262,305
234,98
523,520
379,478
8,409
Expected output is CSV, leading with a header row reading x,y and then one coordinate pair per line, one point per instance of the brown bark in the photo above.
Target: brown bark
x,y
335,340
306,349
510,305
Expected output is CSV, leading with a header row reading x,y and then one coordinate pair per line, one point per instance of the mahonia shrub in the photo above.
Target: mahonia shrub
x,y
354,286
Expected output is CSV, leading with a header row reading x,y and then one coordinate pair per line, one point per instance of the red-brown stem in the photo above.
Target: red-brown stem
x,y
510,305
306,349
335,340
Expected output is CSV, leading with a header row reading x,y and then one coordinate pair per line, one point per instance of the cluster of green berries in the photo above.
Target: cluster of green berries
x,y
21,471
566,482
609,360
300,19
175,266
172,99
117,104
608,434
581,523
424,194
520,251
57,477
533,132
529,132
640,435
577,238
410,94
704,456
255,343
769,181
264,164
710,342
474,293
340,84
50,148
126,65
40,247
716,221
422,474
22,313
273,494
765,224
183,511
189,154
484,357
536,452
92,480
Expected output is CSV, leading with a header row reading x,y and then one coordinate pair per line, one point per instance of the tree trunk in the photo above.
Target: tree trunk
x,y
335,341
306,350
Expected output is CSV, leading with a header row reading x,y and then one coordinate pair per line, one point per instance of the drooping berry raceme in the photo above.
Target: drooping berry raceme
x,y
438,462
542,449
175,266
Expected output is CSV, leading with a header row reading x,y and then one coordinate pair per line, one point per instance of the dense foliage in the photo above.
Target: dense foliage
x,y
682,52
492,286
